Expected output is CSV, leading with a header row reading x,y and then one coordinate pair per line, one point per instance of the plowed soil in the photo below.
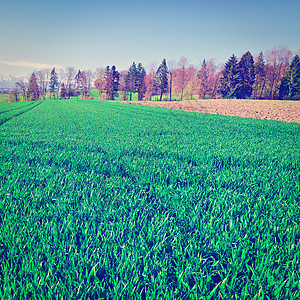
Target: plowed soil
x,y
286,111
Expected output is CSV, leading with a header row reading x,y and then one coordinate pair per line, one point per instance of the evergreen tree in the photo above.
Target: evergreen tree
x,y
162,78
63,91
111,82
203,76
132,78
116,77
53,83
127,87
229,78
33,89
284,88
140,84
78,86
293,78
246,76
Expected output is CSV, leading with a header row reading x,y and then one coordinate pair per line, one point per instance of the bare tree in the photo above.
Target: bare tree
x,y
171,67
150,82
124,84
191,87
278,60
43,77
99,83
70,77
214,77
207,79
182,75
89,77
260,76
22,86
62,77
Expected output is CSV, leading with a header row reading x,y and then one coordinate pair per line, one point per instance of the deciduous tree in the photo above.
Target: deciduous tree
x,y
278,60
83,88
13,95
22,86
99,83
43,81
260,76
151,85
124,85
89,76
70,77
191,86
171,67
181,78
33,88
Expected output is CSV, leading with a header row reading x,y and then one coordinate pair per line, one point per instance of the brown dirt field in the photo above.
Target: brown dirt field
x,y
286,111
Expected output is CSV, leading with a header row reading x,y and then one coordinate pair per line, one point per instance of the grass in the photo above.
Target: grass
x,y
3,98
111,201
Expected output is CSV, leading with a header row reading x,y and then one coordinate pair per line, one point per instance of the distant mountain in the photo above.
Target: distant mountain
x,y
8,81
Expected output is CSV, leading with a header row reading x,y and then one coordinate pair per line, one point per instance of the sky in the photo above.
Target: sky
x,y
88,34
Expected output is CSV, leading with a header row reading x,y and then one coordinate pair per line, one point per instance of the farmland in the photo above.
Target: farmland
x,y
103,200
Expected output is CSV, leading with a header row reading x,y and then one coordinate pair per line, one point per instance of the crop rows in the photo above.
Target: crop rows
x,y
111,201
11,110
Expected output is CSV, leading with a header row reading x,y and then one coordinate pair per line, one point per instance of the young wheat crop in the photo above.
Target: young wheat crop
x,y
111,201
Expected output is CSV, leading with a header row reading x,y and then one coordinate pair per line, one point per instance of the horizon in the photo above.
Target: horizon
x,y
96,34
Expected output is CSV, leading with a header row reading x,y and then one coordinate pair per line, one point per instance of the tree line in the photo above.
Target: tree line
x,y
274,75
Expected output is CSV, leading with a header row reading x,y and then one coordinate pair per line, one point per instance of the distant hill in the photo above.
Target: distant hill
x,y
8,81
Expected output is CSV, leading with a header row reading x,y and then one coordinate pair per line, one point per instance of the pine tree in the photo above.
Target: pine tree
x,y
115,77
162,78
284,88
53,83
33,89
111,82
293,78
78,83
229,78
203,76
246,76
140,84
131,78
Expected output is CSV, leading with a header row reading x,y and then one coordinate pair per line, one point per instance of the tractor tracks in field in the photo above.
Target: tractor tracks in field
x,y
4,119
18,108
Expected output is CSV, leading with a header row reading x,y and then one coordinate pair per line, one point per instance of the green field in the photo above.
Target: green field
x,y
106,200
3,98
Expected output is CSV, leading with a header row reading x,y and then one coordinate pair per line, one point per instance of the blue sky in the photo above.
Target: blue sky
x,y
90,34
